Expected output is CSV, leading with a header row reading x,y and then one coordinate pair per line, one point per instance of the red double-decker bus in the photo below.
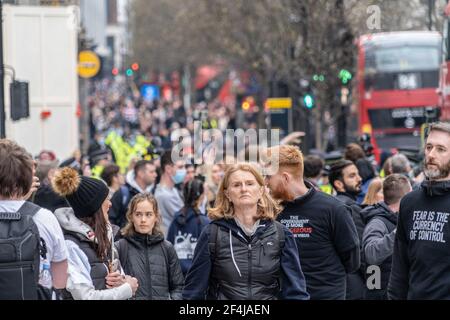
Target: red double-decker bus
x,y
444,85
397,87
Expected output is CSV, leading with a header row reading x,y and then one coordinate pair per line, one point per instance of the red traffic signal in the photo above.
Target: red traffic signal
x,y
115,71
135,66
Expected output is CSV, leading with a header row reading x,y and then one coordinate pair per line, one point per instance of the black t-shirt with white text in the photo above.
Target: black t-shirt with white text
x,y
327,242
421,259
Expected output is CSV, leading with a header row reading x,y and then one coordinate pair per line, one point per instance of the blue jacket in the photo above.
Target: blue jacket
x,y
198,277
184,232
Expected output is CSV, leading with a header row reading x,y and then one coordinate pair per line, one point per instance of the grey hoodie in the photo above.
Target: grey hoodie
x,y
68,221
378,243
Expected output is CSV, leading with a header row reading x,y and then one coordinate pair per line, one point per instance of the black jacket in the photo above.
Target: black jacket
x,y
243,268
154,262
355,281
355,208
420,266
99,267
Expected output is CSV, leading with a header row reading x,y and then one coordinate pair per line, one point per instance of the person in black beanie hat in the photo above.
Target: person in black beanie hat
x,y
88,237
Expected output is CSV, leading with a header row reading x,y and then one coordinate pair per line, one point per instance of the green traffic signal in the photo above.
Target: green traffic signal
x,y
308,100
319,77
345,76
129,72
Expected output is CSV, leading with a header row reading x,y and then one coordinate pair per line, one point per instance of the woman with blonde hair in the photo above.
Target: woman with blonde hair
x,y
144,253
244,253
374,192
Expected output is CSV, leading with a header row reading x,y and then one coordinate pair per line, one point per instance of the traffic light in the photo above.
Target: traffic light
x,y
115,71
129,73
19,97
345,76
135,66
308,101
319,77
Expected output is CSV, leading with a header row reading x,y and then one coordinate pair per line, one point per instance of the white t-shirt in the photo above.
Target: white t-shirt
x,y
49,230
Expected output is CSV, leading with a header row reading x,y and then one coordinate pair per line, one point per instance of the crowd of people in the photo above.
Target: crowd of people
x,y
165,228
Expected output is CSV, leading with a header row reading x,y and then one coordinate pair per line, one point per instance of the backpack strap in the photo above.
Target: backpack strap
x,y
281,234
212,242
27,209
30,209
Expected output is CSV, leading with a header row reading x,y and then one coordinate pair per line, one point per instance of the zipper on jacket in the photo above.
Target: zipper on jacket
x,y
249,283
262,252
147,262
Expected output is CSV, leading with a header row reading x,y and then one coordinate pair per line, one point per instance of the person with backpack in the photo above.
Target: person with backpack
x,y
244,254
141,179
379,233
189,222
144,253
33,254
93,269
323,228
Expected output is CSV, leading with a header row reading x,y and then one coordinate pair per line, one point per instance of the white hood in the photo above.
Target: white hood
x,y
68,221
130,179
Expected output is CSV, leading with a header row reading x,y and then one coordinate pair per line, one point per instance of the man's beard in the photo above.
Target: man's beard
x,y
281,193
440,172
354,191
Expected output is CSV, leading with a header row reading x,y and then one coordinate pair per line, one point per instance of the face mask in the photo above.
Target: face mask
x,y
179,176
